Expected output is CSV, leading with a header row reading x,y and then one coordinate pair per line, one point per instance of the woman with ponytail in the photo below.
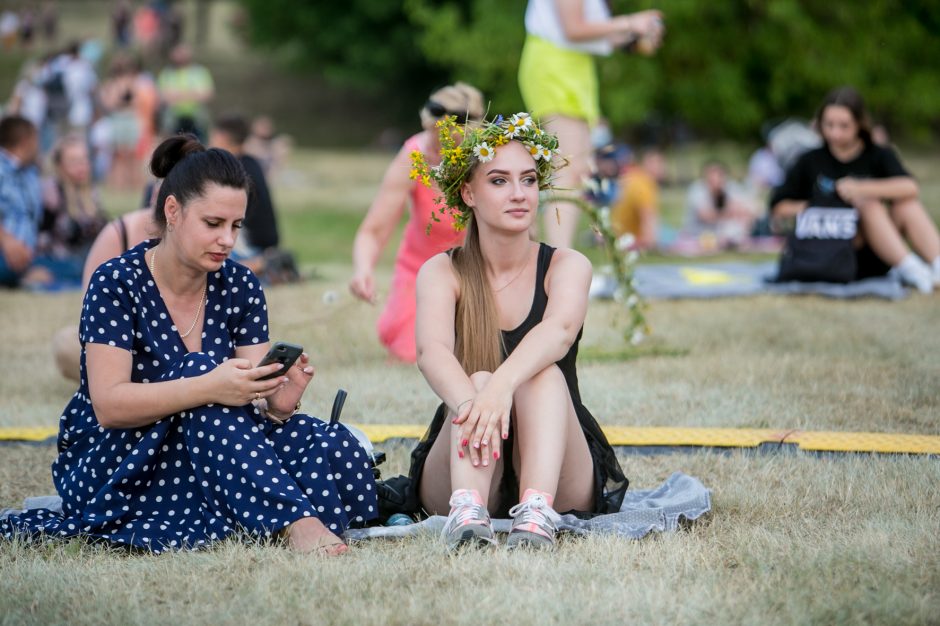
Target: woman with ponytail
x,y
498,325
175,438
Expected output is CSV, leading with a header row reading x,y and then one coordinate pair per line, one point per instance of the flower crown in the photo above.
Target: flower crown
x,y
478,144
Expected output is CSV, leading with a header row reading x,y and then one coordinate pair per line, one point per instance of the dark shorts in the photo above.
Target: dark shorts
x,y
869,264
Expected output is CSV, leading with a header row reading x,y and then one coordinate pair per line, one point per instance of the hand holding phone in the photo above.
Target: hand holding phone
x,y
281,352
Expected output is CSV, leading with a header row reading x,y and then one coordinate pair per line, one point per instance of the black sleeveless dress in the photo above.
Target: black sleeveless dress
x,y
610,485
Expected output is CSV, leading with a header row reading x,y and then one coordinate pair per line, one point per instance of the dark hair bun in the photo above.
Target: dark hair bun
x,y
171,152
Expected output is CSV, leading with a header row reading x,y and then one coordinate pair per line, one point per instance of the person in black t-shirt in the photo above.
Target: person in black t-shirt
x,y
852,190
258,248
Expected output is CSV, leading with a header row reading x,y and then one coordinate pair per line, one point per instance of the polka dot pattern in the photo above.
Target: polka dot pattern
x,y
203,474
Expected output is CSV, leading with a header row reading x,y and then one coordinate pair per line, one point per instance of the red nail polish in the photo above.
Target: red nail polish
x,y
505,435
496,455
460,453
465,442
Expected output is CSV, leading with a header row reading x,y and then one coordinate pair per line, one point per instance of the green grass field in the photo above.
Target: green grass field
x,y
792,538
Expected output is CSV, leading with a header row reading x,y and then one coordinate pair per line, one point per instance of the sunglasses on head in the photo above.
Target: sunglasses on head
x,y
436,109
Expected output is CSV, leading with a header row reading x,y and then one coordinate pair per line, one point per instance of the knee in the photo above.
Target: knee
x,y
902,209
479,379
868,206
67,352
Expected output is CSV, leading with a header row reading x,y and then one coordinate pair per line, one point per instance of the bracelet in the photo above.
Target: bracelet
x,y
457,409
280,419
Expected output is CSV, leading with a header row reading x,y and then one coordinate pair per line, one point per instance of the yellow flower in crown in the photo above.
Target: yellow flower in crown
x,y
478,143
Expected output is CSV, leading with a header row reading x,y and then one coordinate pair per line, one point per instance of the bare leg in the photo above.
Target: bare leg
x,y
881,233
552,453
445,472
574,143
308,534
67,352
916,226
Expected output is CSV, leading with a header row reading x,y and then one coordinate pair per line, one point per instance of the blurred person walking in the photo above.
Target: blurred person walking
x,y
185,89
558,81
118,97
423,238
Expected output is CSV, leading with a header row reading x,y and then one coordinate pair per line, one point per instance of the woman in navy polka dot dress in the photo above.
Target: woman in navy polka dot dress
x,y
173,440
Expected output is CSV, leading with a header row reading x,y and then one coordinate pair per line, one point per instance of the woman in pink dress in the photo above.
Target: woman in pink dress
x,y
396,325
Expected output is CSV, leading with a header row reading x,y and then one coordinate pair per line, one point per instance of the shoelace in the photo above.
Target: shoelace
x,y
465,510
535,510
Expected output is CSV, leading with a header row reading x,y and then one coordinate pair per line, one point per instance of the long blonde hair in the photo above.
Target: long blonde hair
x,y
479,342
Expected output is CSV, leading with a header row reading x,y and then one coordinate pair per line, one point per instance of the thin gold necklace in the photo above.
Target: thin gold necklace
x,y
205,293
514,277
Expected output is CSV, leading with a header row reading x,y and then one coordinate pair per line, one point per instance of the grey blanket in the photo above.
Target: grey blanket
x,y
716,280
643,511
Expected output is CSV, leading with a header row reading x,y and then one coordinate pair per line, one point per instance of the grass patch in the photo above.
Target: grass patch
x,y
599,354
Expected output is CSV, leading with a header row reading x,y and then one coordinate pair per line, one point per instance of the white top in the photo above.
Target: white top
x,y
542,20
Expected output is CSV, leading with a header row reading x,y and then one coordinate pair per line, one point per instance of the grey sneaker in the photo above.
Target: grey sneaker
x,y
468,522
534,522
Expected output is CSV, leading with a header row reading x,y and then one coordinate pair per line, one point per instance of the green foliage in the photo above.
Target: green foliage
x,y
724,68
363,43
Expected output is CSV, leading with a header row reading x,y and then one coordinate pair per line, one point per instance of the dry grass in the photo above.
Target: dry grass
x,y
791,539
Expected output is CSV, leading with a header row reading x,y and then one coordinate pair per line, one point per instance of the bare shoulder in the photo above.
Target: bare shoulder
x,y
570,261
438,269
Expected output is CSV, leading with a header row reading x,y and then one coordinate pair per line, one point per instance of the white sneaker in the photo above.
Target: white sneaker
x,y
914,272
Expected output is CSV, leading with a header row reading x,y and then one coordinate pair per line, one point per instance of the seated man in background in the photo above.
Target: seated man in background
x,y
20,198
718,208
257,248
636,211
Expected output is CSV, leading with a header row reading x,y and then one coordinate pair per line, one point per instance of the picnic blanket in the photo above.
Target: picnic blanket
x,y
735,278
643,511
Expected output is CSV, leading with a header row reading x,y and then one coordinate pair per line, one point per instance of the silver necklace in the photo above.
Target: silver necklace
x,y
205,293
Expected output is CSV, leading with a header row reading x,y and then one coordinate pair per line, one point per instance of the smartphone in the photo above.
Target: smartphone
x,y
283,353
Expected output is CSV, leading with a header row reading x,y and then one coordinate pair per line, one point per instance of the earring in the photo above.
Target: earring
x,y
169,228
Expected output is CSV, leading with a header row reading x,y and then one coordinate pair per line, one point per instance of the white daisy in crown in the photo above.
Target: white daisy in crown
x,y
545,153
521,121
483,152
534,150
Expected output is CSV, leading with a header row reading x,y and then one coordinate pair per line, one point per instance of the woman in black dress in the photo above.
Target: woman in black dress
x,y
498,325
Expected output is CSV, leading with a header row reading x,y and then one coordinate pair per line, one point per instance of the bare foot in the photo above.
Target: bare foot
x,y
308,535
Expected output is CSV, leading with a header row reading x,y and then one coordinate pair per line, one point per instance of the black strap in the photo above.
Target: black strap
x,y
122,230
338,403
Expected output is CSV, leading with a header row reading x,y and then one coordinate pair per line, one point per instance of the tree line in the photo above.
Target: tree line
x,y
726,68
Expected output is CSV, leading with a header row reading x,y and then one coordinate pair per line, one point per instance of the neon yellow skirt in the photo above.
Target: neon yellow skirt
x,y
556,81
